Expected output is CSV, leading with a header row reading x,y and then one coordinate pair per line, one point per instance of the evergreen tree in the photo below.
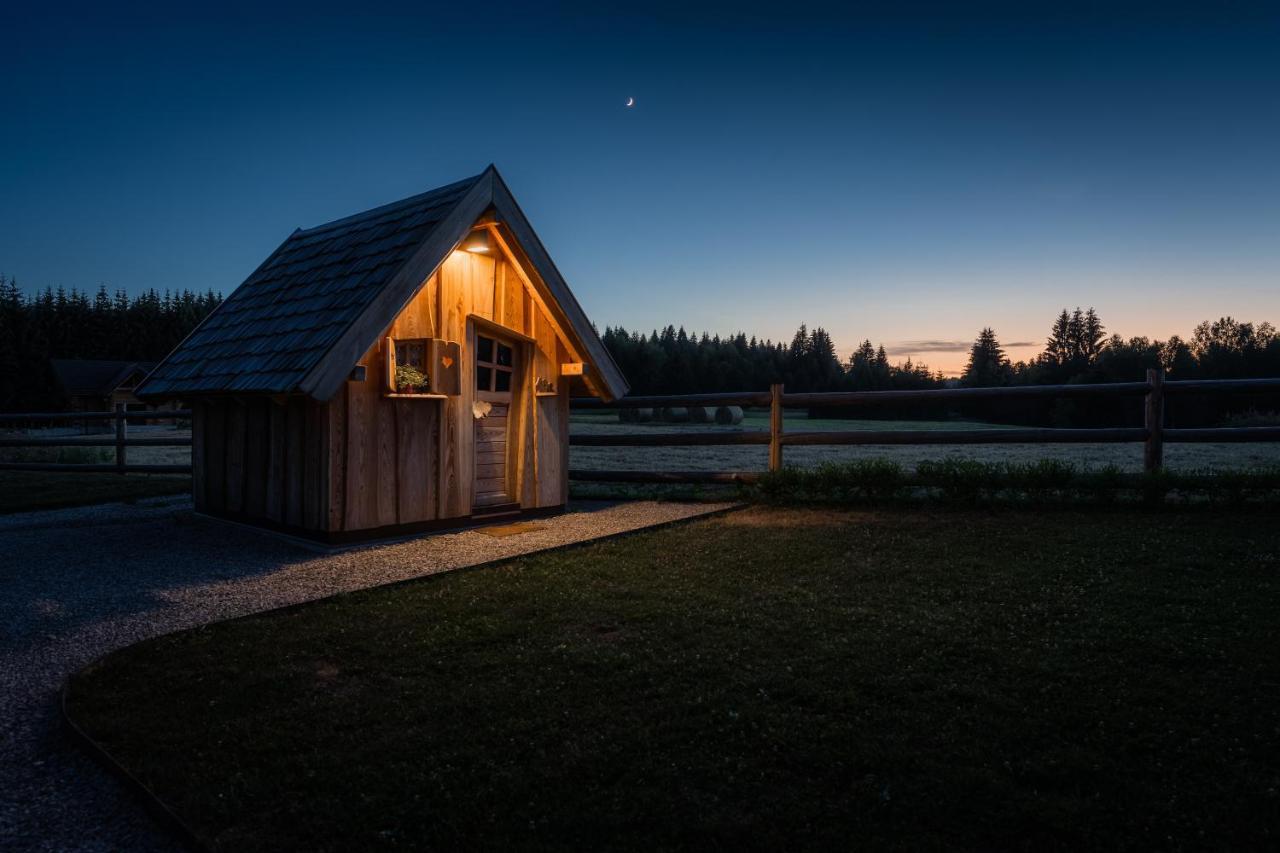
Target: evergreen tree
x,y
1092,336
1057,350
988,365
65,323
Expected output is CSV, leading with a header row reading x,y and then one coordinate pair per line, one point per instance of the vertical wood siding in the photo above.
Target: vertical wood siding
x,y
363,460
264,458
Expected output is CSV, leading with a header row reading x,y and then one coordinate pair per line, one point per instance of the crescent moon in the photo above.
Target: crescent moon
x,y
631,102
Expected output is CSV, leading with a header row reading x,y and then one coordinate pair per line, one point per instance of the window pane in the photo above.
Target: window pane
x,y
484,349
504,354
411,354
503,382
483,378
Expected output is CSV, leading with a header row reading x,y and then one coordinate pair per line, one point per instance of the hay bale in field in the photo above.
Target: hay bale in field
x,y
700,415
729,415
643,416
675,414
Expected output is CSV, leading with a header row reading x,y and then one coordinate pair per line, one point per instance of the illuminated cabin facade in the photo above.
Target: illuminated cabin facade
x,y
403,369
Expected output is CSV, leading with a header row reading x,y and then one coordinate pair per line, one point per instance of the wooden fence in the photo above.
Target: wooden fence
x,y
1153,433
120,441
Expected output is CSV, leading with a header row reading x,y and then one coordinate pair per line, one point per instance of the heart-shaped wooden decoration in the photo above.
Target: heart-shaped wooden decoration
x,y
446,361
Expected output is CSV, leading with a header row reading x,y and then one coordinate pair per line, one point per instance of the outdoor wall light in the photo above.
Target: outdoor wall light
x,y
477,241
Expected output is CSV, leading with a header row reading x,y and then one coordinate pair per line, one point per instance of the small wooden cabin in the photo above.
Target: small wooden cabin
x,y
99,386
399,370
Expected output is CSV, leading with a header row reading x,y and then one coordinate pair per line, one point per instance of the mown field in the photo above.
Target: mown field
x,y
1127,457
769,679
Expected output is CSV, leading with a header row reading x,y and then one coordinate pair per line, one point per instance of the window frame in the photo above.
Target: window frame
x,y
423,343
494,365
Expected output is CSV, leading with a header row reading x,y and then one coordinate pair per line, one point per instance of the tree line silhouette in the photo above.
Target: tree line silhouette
x,y
57,323
1077,350
673,362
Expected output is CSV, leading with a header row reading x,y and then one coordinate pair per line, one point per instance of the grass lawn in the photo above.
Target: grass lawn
x,y
22,491
773,678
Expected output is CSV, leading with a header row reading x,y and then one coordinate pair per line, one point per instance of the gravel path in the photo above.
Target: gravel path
x,y
76,584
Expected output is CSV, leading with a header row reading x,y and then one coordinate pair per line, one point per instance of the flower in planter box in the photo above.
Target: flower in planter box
x,y
411,380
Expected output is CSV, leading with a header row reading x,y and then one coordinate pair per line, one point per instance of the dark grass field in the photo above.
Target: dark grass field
x,y
23,491
770,679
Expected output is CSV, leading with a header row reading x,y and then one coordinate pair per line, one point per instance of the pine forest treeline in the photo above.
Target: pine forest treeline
x,y
673,362
1077,350
57,323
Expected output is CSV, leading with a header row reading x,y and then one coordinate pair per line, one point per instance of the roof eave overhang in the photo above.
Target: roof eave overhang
x,y
605,380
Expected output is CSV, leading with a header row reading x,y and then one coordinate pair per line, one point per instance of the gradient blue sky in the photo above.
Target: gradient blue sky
x,y
907,172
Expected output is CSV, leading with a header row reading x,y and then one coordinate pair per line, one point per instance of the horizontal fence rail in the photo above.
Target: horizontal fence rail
x,y
862,398
664,476
730,398
668,439
965,436
1223,434
94,468
1219,386
74,441
157,415
1153,434
121,441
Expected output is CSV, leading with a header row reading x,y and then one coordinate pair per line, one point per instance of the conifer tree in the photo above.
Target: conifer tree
x,y
988,365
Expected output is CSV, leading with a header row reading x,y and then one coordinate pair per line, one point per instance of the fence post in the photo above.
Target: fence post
x,y
122,430
775,427
1153,451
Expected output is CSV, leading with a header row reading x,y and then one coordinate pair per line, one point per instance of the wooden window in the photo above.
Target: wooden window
x,y
407,366
412,353
495,362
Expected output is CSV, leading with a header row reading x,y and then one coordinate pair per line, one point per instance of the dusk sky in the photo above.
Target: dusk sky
x,y
902,172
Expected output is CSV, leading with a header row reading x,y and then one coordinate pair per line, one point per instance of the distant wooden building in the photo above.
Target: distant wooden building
x,y
92,385
398,370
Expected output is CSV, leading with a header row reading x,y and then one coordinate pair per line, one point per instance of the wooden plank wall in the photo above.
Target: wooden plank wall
x,y
399,461
199,435
383,455
522,473
263,458
547,424
363,461
464,281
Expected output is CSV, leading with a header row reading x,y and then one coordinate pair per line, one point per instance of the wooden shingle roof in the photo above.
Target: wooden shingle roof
x,y
273,329
303,319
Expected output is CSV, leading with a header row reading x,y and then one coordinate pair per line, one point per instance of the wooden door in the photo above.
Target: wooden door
x,y
495,374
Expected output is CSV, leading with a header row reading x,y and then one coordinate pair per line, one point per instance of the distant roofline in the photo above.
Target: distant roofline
x,y
123,370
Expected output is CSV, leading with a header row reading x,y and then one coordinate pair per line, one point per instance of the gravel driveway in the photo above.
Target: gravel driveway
x,y
76,584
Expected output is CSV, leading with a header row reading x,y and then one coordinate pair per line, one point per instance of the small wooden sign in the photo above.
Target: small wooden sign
x,y
573,368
